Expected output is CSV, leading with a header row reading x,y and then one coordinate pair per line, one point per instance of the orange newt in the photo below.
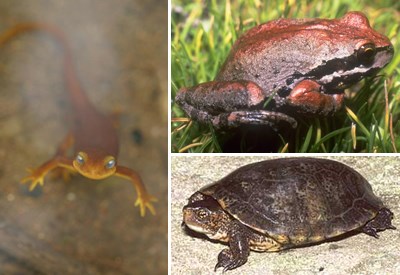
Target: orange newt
x,y
92,134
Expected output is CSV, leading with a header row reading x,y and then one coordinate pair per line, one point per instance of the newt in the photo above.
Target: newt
x,y
92,135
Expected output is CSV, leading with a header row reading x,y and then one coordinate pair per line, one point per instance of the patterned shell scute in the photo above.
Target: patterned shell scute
x,y
303,199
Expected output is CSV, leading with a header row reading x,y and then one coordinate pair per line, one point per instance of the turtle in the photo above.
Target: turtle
x,y
282,203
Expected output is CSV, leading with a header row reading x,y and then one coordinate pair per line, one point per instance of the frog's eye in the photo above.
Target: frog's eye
x,y
80,159
366,52
110,163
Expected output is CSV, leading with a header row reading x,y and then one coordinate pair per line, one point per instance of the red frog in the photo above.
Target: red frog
x,y
286,68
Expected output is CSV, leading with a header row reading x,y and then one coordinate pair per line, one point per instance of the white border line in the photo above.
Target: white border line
x,y
171,155
169,137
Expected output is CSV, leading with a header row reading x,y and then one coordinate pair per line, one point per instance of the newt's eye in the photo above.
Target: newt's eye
x,y
80,159
110,164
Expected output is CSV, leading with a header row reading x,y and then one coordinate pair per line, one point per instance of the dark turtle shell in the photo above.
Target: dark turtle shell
x,y
297,200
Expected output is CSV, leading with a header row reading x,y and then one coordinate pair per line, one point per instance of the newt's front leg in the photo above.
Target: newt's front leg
x,y
59,160
37,175
144,199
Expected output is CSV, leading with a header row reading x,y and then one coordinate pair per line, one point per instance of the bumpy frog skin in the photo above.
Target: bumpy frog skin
x,y
286,68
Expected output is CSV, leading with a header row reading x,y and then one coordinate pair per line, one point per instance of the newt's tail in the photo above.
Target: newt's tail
x,y
77,96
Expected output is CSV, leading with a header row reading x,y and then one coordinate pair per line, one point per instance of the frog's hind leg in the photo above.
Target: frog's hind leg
x,y
382,221
230,104
238,118
259,117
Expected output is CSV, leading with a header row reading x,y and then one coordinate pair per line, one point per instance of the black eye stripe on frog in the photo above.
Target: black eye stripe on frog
x,y
332,68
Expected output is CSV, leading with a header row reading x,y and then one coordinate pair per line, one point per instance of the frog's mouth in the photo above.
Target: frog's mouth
x,y
338,74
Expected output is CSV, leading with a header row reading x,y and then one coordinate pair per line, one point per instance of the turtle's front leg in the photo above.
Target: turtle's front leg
x,y
238,251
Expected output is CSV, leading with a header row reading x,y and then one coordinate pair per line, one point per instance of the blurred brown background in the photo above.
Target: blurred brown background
x,y
83,226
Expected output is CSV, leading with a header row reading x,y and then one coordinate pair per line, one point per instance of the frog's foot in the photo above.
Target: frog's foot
x,y
307,98
36,177
63,173
145,201
257,117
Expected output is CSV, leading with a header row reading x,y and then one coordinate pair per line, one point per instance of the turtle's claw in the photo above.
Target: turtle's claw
x,y
228,261
146,201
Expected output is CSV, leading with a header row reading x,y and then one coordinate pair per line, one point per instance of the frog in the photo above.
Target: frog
x,y
288,68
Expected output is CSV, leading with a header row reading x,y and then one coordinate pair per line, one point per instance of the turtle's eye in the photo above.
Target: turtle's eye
x,y
80,159
202,213
110,163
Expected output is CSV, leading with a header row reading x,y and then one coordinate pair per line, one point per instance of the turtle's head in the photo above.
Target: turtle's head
x,y
206,216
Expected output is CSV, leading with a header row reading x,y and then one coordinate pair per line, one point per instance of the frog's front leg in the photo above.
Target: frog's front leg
x,y
58,161
228,104
144,199
307,98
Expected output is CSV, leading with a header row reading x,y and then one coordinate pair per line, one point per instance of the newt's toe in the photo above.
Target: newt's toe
x,y
146,202
34,178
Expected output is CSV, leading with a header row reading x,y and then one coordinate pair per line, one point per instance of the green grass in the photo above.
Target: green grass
x,y
203,33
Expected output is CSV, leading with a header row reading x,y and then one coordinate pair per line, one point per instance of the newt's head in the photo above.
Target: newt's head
x,y
95,165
